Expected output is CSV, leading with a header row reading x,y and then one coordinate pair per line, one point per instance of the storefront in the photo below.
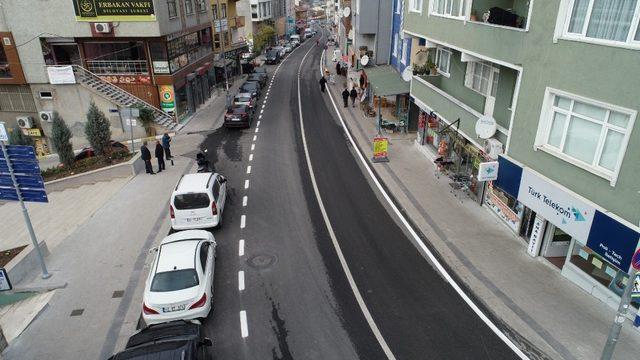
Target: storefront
x,y
388,94
592,247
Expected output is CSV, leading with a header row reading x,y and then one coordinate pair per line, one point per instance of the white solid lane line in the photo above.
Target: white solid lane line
x,y
255,137
250,157
244,200
244,328
241,247
246,184
240,280
243,221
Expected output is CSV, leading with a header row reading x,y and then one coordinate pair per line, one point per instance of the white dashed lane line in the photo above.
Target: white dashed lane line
x,y
241,280
246,184
259,117
244,200
255,137
243,221
250,158
257,125
244,328
249,167
241,247
257,129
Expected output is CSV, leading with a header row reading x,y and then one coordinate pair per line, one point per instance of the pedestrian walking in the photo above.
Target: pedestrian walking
x,y
361,81
338,68
166,145
353,94
323,83
345,97
145,154
160,156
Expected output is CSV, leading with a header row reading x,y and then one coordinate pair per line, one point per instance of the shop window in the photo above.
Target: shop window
x,y
188,7
482,78
608,21
16,98
172,9
585,132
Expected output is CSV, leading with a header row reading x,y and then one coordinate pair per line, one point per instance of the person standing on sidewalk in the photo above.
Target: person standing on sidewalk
x,y
160,156
338,68
145,154
323,83
345,97
353,94
166,145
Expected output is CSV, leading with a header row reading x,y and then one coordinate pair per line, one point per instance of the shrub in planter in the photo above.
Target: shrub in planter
x,y
98,130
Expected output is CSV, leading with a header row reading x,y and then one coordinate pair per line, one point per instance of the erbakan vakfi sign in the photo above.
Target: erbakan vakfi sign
x,y
114,10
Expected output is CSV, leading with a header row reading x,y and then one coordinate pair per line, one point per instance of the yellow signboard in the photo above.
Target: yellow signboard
x,y
114,10
380,147
32,132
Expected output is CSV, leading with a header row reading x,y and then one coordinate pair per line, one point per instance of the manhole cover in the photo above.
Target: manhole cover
x,y
262,261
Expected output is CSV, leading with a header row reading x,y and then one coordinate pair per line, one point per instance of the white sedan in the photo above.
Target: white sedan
x,y
180,282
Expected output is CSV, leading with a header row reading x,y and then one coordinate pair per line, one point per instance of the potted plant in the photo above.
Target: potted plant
x,y
431,66
473,16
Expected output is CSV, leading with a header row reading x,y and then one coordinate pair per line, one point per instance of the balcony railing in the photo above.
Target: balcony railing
x,y
119,67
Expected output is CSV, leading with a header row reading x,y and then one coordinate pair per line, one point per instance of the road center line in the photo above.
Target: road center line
x,y
243,221
255,137
259,117
244,328
257,129
258,124
241,280
246,184
249,167
241,247
250,157
244,200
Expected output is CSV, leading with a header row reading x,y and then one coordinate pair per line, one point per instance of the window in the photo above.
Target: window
x,y
202,5
607,20
174,280
482,78
585,132
191,201
443,60
395,44
405,50
173,10
223,11
214,9
216,190
46,95
204,253
254,11
415,5
454,8
398,6
188,6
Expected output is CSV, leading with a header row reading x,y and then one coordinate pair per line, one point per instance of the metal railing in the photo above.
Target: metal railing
x,y
120,67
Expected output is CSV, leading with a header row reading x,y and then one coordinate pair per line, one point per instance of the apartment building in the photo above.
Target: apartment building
x,y
228,38
115,53
548,89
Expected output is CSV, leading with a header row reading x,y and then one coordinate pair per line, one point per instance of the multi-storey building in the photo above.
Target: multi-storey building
x,y
228,38
553,85
115,53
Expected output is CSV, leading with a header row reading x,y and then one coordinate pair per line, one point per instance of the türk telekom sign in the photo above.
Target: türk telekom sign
x,y
562,209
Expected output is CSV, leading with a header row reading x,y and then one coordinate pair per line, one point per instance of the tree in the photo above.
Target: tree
x,y
61,139
262,38
98,130
147,117
17,137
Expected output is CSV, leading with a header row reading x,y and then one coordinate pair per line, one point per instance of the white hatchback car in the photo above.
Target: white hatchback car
x,y
198,201
180,282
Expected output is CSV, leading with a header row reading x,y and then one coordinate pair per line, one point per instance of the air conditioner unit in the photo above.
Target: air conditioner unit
x,y
25,122
46,116
493,148
103,28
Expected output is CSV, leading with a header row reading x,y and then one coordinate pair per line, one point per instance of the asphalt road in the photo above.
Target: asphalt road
x,y
296,297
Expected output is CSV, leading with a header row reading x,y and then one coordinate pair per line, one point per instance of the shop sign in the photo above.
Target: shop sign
x,y
380,147
635,261
61,75
535,240
32,132
613,240
114,10
635,291
574,216
488,171
127,79
167,98
161,67
504,212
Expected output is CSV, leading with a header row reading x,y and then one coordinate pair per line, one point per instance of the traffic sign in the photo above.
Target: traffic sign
x,y
635,260
9,193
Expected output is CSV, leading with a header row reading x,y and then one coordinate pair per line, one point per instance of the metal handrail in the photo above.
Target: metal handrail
x,y
122,67
87,73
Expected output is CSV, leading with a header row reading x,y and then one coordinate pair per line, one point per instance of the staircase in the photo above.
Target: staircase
x,y
121,96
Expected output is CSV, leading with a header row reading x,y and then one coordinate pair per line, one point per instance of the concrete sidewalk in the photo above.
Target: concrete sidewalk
x,y
536,304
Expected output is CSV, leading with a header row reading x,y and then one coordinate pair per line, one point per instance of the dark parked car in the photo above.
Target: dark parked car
x,y
259,78
167,341
261,70
88,151
245,99
252,87
238,116
273,56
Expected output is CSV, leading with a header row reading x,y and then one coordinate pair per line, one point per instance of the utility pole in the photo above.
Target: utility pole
x,y
623,308
222,50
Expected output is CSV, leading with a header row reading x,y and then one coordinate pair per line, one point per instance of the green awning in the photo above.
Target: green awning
x,y
386,81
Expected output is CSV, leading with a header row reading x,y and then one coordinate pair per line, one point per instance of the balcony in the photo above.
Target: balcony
x,y
118,67
510,14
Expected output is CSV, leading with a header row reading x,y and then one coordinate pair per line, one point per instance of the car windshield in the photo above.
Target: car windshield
x,y
174,280
272,53
249,85
191,201
243,99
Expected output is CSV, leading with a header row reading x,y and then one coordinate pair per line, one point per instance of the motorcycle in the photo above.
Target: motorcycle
x,y
203,164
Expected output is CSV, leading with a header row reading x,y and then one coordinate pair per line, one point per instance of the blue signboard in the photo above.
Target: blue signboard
x,y
32,195
509,177
21,167
19,152
27,173
613,240
24,181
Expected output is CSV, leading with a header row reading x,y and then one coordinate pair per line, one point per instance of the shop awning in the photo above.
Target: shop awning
x,y
386,81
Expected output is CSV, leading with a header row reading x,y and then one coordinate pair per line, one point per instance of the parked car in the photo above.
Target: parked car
x,y
238,116
273,57
198,201
88,151
295,40
245,99
288,47
252,87
280,50
259,78
173,340
261,70
180,282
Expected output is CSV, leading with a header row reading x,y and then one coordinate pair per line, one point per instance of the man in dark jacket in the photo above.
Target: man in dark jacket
x,y
323,83
345,97
166,144
160,156
353,94
146,157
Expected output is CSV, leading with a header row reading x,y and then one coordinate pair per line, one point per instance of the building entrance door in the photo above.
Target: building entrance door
x,y
556,245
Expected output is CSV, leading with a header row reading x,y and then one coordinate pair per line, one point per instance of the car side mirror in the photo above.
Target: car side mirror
x,y
223,179
206,342
152,250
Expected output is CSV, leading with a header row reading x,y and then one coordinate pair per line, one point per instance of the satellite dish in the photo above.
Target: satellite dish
x,y
407,73
346,12
364,60
486,127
